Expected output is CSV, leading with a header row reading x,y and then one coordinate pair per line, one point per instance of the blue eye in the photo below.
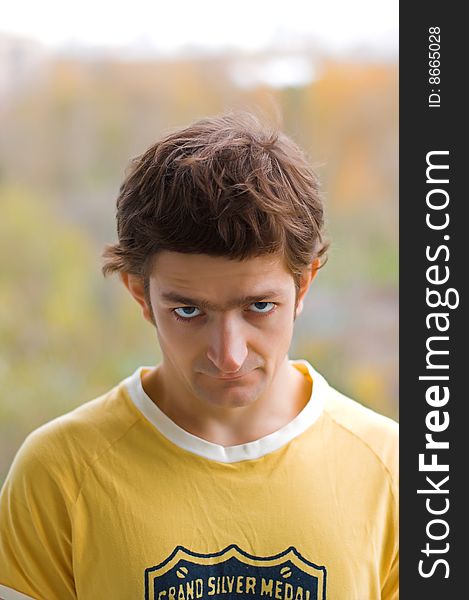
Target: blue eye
x,y
263,307
187,312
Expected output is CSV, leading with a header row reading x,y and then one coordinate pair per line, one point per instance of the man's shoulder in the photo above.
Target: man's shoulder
x,y
365,427
75,439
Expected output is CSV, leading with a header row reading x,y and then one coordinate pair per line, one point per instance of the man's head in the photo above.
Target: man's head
x,y
220,234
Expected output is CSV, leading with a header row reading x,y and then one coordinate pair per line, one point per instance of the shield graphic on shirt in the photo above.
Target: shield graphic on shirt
x,y
233,573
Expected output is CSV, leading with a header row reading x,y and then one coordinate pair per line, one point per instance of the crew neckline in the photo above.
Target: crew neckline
x,y
241,452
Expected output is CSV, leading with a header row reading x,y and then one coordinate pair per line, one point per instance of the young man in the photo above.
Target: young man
x,y
227,470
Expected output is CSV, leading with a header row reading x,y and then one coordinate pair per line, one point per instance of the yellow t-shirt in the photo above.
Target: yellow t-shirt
x,y
114,500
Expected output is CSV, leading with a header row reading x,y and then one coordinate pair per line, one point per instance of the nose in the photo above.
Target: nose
x,y
227,348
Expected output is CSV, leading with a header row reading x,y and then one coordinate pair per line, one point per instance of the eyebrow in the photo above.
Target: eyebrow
x,y
207,305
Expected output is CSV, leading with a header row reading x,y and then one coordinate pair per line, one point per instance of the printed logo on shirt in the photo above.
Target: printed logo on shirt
x,y
232,573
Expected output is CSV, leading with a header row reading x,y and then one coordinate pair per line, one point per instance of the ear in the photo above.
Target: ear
x,y
134,283
305,281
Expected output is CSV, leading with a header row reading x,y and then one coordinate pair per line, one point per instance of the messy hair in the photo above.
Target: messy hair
x,y
223,186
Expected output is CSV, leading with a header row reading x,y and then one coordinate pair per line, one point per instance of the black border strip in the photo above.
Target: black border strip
x,y
433,261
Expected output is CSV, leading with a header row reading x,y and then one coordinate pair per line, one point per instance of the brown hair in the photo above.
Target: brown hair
x,y
223,186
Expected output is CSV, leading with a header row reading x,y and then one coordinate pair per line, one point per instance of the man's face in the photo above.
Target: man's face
x,y
224,326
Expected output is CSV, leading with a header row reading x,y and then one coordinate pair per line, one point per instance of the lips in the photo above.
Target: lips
x,y
230,378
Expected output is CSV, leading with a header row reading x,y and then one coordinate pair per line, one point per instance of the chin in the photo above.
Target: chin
x,y
234,398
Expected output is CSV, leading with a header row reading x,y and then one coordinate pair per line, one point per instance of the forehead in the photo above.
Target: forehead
x,y
204,275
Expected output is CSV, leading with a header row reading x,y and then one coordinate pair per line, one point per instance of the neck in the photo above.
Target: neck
x,y
282,400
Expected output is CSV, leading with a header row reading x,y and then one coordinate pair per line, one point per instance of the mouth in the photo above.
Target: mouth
x,y
230,378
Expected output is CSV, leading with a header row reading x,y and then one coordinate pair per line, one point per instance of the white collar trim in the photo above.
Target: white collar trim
x,y
230,454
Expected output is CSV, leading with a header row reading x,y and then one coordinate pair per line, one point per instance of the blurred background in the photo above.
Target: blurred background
x,y
86,86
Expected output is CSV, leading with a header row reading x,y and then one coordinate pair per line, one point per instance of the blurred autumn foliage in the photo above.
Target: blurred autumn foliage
x,y
67,134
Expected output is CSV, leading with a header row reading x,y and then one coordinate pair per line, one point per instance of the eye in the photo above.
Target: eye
x,y
262,307
186,313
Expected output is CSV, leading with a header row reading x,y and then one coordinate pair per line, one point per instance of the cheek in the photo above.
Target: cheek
x,y
175,338
275,336
284,333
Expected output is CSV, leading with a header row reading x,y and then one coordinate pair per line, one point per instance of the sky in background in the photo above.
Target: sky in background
x,y
167,27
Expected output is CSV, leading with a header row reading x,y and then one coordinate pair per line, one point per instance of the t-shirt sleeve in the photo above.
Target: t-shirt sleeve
x,y
35,529
390,590
391,587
